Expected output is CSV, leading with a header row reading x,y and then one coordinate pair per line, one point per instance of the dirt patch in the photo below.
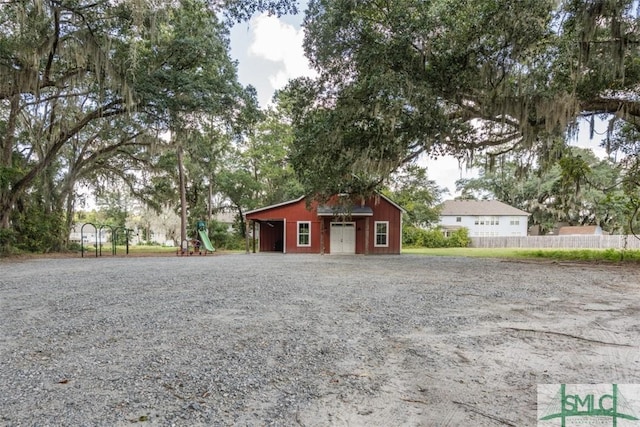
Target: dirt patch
x,y
306,340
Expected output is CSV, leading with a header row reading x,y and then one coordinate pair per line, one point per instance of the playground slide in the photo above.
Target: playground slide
x,y
205,241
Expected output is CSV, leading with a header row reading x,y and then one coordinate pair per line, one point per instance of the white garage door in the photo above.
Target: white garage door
x,y
343,238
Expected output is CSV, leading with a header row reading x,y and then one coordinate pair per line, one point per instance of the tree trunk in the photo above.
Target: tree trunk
x,y
6,163
242,222
71,199
210,203
183,195
8,196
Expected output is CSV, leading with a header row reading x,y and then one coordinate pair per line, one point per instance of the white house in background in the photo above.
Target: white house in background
x,y
483,218
227,218
88,233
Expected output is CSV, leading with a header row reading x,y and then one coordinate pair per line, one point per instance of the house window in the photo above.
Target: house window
x,y
488,220
458,219
304,233
514,220
382,233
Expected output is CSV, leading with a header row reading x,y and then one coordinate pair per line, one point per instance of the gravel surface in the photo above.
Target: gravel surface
x,y
306,340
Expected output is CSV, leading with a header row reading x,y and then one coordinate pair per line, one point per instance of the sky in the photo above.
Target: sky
x,y
269,53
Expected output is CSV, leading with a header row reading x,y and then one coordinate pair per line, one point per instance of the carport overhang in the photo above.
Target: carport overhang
x,y
268,222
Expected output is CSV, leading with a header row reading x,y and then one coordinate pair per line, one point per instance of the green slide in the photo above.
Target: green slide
x,y
205,241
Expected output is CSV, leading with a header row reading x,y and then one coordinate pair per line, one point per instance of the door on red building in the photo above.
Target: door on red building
x,y
343,238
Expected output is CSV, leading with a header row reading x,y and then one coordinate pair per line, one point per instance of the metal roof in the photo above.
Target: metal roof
x,y
266,208
343,211
479,207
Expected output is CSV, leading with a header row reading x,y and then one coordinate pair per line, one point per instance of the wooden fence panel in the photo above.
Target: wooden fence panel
x,y
558,242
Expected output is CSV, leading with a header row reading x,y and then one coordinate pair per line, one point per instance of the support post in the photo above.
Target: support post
x,y
366,235
82,238
253,235
246,235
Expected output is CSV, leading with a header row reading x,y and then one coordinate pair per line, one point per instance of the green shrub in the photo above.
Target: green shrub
x,y
459,239
38,231
410,235
609,255
434,238
222,238
74,246
7,240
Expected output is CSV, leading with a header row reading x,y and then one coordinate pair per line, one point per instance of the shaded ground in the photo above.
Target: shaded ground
x,y
306,340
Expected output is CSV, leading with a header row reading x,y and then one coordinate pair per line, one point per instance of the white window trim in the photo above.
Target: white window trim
x,y
375,234
298,234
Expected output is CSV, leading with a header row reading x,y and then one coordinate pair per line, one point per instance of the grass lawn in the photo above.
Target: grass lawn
x,y
605,255
144,249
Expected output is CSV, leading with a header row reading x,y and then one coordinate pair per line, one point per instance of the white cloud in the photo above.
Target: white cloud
x,y
281,43
445,171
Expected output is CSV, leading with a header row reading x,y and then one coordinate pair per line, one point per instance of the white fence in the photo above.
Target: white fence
x,y
560,242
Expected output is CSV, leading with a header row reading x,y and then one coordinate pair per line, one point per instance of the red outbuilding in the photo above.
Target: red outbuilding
x,y
372,226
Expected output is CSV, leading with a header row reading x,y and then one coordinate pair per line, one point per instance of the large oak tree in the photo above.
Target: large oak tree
x,y
83,82
403,78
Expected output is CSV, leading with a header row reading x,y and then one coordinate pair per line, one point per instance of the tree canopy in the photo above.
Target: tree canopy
x,y
404,78
579,189
87,88
143,95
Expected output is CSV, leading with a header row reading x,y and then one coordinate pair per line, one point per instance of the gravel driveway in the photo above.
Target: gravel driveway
x,y
306,340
